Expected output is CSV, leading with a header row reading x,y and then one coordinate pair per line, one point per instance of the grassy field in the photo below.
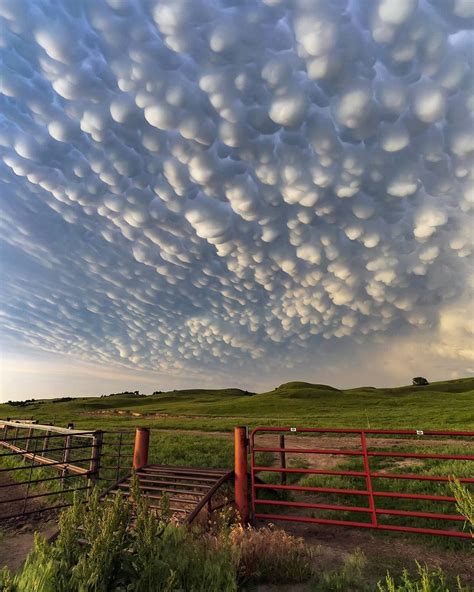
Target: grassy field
x,y
193,427
442,405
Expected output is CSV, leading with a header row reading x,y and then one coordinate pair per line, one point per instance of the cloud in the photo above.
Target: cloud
x,y
196,186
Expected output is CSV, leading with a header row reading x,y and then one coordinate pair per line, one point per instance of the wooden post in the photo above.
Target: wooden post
x,y
140,451
282,459
119,456
28,439
66,455
94,466
46,443
28,442
241,473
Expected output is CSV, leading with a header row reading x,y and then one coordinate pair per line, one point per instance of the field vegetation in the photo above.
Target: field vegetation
x,y
442,405
119,546
193,428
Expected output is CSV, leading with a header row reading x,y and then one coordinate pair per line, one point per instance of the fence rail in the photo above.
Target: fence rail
x,y
394,480
363,482
43,466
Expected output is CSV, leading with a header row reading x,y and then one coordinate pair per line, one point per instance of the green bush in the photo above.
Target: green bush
x,y
425,581
349,577
102,547
116,546
464,502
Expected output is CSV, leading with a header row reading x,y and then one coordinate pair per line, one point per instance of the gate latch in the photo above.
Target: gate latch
x,y
419,432
292,429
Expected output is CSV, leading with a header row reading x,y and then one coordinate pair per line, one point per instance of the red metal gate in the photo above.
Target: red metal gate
x,y
310,465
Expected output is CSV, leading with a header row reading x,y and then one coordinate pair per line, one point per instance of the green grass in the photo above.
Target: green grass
x,y
124,548
441,405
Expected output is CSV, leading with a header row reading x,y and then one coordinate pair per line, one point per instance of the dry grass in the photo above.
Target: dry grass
x,y
271,555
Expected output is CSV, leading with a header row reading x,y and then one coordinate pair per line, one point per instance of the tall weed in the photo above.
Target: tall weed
x,y
464,502
349,577
424,581
271,555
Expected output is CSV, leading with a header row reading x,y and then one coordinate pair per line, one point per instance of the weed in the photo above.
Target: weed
x,y
464,502
349,577
425,581
271,555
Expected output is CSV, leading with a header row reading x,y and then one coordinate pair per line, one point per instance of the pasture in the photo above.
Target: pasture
x,y
445,405
194,428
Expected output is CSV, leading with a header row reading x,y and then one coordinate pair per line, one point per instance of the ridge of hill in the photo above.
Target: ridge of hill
x,y
442,405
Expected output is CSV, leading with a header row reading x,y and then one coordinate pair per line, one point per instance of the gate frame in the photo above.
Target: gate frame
x,y
369,492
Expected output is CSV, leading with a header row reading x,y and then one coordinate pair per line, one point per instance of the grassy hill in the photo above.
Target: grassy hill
x,y
446,404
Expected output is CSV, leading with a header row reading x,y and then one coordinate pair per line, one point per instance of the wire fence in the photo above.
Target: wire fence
x,y
43,467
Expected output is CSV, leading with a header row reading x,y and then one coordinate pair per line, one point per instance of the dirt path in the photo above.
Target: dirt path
x,y
334,442
324,441
12,498
17,542
17,534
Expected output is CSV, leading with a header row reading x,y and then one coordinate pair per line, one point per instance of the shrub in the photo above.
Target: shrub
x,y
426,581
102,548
349,577
271,555
464,502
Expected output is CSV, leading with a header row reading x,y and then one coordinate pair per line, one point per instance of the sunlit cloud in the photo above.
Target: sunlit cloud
x,y
195,187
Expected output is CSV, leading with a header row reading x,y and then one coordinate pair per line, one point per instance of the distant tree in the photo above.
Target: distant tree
x,y
125,393
21,403
157,392
419,381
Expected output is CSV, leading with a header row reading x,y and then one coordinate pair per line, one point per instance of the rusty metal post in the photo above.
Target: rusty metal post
x,y
140,451
240,473
282,459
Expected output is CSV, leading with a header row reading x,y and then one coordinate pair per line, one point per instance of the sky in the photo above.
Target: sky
x,y
234,193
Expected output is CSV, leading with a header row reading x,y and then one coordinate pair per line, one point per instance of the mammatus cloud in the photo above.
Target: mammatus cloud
x,y
195,186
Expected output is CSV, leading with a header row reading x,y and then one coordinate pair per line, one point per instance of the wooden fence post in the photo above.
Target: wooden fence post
x,y
46,443
94,466
66,455
28,439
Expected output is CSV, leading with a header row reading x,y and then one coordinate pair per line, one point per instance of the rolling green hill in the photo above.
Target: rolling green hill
x,y
448,404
